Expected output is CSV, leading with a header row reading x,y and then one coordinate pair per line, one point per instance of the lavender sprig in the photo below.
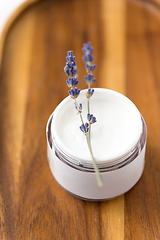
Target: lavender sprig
x,y
70,70
72,81
74,92
88,59
71,67
84,128
89,79
91,118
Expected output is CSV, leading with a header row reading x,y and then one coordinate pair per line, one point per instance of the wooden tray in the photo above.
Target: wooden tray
x,y
126,40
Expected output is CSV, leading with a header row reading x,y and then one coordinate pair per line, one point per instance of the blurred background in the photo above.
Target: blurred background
x,y
35,36
7,8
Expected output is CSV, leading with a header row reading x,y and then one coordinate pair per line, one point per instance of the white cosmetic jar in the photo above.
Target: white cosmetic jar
x,y
118,140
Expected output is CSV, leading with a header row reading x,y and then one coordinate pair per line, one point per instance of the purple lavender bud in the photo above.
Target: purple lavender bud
x,y
74,93
71,68
84,128
90,67
79,109
72,82
91,118
80,106
89,93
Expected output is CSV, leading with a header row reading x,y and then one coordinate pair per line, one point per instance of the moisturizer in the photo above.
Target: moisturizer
x,y
118,142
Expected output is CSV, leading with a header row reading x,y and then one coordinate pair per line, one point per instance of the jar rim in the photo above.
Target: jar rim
x,y
102,168
116,158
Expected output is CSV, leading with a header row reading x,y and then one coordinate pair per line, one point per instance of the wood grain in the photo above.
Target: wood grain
x,y
114,28
142,218
112,76
126,40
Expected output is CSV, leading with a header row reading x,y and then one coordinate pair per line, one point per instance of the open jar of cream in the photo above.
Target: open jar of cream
x,y
118,142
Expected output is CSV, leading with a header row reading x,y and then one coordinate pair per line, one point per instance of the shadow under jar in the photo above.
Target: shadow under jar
x,y
118,140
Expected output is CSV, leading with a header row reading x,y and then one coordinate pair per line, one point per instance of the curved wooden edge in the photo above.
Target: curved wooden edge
x,y
26,4
10,21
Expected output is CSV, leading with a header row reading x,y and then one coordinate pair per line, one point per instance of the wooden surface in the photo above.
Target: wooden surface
x,y
126,40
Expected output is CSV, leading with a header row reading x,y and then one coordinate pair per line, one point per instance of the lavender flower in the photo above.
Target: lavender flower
x,y
70,57
90,68
79,109
88,58
87,49
72,82
70,70
84,128
71,67
74,93
89,79
89,92
91,118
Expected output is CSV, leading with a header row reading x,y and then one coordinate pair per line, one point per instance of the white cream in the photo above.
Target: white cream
x,y
114,135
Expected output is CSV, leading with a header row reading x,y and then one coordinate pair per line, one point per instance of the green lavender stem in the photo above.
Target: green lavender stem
x,y
99,178
89,132
98,175
88,105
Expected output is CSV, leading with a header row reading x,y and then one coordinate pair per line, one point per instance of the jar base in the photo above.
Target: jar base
x,y
89,199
